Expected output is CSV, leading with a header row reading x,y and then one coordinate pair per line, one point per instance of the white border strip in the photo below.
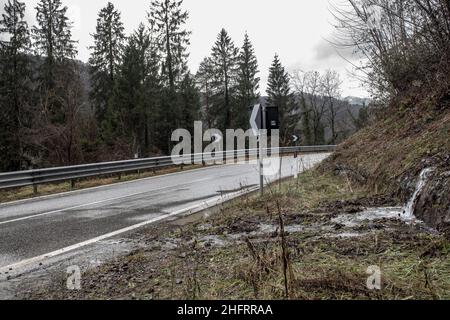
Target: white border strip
x,y
59,195
187,211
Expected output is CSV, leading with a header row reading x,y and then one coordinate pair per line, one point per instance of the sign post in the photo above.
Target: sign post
x,y
256,123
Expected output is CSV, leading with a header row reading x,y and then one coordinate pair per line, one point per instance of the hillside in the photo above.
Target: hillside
x,y
389,156
315,237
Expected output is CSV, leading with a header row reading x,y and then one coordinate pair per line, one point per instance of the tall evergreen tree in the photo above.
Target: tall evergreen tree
x,y
279,95
14,83
248,84
224,59
136,96
53,39
168,20
190,102
106,57
204,79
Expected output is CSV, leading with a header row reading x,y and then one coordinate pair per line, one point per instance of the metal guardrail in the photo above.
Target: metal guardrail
x,y
42,176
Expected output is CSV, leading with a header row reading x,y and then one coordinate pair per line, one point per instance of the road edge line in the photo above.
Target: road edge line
x,y
198,207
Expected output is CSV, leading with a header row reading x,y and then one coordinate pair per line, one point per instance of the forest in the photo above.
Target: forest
x,y
137,88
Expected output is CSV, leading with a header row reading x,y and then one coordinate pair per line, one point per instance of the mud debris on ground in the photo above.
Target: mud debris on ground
x,y
333,236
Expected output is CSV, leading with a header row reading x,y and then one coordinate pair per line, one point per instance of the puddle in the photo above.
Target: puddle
x,y
267,228
347,235
372,214
213,241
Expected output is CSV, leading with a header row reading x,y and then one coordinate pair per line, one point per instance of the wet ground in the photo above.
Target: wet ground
x,y
53,224
332,237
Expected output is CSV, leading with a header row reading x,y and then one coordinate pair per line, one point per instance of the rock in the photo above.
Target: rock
x,y
433,205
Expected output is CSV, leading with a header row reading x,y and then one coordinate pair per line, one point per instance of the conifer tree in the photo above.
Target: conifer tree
x,y
190,102
279,95
106,57
53,39
168,19
248,84
136,96
204,80
224,59
14,83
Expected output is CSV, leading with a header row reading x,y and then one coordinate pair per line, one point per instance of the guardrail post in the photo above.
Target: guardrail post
x,y
32,178
72,183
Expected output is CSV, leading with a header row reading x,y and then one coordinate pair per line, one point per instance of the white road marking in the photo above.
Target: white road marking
x,y
198,207
59,195
92,203
190,210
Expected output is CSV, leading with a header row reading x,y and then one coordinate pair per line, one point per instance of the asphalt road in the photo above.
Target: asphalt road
x,y
35,227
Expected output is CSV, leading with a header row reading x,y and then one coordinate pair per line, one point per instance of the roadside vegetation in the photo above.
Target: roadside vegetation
x,y
240,252
407,65
323,235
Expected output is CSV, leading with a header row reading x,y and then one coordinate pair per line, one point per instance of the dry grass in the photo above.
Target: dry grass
x,y
307,264
396,145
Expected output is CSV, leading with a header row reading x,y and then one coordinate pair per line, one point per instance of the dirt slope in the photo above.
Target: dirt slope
x,y
389,155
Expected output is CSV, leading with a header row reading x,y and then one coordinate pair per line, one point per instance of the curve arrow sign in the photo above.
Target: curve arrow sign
x,y
256,119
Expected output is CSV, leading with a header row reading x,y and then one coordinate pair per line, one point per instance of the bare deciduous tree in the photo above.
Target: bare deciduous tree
x,y
319,101
406,43
331,87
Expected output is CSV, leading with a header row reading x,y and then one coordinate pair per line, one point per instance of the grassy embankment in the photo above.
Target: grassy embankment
x,y
414,129
239,253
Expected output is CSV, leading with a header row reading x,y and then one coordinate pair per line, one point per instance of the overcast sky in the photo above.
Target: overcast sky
x,y
297,30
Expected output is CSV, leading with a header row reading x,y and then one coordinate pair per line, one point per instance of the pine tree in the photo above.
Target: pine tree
x,y
248,84
106,57
190,103
204,79
279,95
167,19
53,39
14,83
136,96
224,59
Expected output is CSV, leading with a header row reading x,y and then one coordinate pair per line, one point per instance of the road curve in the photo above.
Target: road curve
x,y
35,227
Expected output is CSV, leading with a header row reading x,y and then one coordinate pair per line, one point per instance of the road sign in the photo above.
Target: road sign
x,y
257,124
256,119
294,138
272,119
